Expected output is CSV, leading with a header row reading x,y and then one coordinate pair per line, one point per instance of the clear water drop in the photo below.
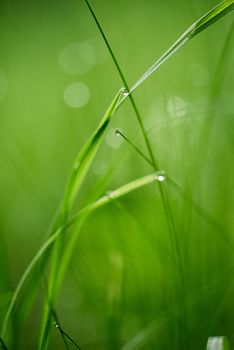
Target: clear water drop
x,y
117,133
109,194
161,175
125,92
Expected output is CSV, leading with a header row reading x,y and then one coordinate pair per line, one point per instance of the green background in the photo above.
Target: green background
x,y
123,289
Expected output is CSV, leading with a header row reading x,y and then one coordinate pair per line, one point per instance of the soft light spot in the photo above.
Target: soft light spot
x,y
161,175
77,58
116,259
76,95
112,140
177,107
3,85
99,167
101,52
199,75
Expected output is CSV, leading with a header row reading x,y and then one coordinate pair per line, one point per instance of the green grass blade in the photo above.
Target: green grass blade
x,y
24,277
86,155
122,76
121,191
163,191
217,343
221,10
112,195
75,180
2,344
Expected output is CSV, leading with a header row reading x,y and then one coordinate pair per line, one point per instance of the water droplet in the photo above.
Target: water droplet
x,y
109,194
161,175
111,139
117,133
125,92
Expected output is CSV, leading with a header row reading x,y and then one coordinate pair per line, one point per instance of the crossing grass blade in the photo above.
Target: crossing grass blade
x,y
74,183
75,180
215,14
111,196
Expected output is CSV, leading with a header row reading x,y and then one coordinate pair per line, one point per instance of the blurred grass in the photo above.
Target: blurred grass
x,y
121,281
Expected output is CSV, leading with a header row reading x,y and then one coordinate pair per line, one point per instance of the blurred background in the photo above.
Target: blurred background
x,y
123,289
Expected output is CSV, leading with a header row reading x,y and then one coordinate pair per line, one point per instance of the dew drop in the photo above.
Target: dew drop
x,y
111,139
117,133
161,175
109,194
125,92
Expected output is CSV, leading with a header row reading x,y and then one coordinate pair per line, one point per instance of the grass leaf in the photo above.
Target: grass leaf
x,y
221,10
75,180
112,195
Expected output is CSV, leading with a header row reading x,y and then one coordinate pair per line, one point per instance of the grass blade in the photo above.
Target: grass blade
x,y
75,180
111,196
122,76
2,344
215,14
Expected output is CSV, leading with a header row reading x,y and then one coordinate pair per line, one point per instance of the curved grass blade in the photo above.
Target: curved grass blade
x,y
215,14
163,191
74,183
86,155
217,343
112,195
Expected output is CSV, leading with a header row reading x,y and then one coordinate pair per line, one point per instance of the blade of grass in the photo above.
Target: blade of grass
x,y
215,14
63,334
122,76
75,180
162,189
2,344
111,196
139,340
186,197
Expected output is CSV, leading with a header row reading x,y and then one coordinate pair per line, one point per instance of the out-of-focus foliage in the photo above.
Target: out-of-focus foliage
x,y
124,288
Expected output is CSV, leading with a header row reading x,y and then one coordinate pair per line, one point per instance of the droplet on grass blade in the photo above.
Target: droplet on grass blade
x,y
217,343
111,139
161,175
117,132
125,92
